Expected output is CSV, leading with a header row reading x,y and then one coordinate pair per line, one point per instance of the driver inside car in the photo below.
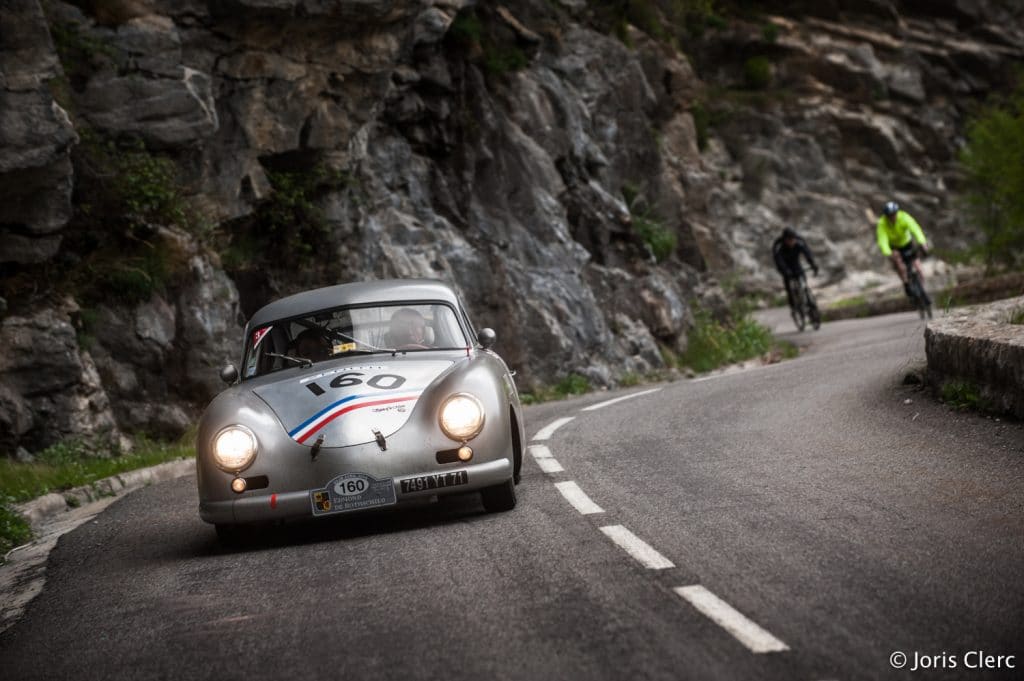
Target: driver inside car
x,y
408,328
311,344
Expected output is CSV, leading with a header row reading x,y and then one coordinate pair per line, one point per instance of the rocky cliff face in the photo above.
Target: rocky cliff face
x,y
167,168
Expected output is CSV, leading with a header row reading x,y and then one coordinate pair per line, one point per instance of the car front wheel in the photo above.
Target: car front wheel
x,y
499,497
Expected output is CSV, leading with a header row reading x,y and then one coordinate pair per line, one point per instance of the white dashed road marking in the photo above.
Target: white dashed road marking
x,y
540,452
550,465
736,623
637,547
542,455
606,403
579,500
547,431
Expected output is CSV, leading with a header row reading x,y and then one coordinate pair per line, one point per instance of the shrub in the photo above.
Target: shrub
x,y
963,395
14,530
659,239
712,343
573,384
472,30
993,161
702,124
757,73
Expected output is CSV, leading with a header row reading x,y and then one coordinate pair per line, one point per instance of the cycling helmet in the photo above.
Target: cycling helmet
x,y
788,233
891,208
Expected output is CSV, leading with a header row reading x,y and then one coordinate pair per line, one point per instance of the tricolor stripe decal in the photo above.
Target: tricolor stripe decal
x,y
307,428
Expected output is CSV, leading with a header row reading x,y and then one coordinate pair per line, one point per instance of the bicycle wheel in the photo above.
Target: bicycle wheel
x,y
798,317
796,304
813,313
918,298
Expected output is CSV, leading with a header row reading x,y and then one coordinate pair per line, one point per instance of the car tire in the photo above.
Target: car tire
x,y
499,497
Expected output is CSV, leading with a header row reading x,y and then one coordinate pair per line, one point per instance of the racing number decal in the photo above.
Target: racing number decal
x,y
379,381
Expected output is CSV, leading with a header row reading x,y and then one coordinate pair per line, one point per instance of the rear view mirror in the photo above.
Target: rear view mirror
x,y
486,338
229,374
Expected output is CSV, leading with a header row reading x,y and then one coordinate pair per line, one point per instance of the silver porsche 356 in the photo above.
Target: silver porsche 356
x,y
357,397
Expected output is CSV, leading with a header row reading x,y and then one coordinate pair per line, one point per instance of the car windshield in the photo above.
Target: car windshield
x,y
336,332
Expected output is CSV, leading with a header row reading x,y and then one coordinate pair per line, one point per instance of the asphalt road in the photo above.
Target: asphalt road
x,y
817,520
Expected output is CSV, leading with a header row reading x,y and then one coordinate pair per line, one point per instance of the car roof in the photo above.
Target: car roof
x,y
358,293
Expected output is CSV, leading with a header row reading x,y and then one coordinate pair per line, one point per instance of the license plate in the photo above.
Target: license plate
x,y
352,492
438,481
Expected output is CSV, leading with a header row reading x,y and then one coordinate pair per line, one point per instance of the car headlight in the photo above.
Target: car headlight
x,y
234,448
462,417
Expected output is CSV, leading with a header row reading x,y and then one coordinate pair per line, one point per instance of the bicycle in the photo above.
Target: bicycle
x,y
915,287
806,307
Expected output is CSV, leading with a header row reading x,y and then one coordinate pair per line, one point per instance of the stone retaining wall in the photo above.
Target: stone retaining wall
x,y
979,346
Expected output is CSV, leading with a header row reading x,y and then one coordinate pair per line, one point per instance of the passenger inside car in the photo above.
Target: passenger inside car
x,y
408,329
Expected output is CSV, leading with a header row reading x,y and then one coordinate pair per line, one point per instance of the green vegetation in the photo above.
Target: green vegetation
x,y
701,123
66,465
1017,316
670,21
757,73
570,386
964,395
660,240
713,343
126,194
630,379
289,226
852,301
131,182
78,52
770,32
73,463
14,531
488,41
993,160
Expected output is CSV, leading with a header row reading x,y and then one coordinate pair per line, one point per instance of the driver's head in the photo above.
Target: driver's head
x,y
408,327
890,209
788,237
312,344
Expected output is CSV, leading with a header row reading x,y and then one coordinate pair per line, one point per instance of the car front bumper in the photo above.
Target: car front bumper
x,y
252,508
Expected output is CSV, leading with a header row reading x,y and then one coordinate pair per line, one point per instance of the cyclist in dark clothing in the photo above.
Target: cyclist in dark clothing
x,y
786,250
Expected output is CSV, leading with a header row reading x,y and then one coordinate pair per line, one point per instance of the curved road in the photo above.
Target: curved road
x,y
802,521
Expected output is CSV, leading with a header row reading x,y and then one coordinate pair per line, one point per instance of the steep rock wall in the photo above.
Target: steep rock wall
x,y
167,168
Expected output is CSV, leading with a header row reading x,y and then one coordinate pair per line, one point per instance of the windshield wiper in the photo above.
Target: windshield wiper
x,y
302,361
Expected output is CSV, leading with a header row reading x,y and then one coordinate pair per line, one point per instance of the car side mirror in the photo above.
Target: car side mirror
x,y
486,338
229,374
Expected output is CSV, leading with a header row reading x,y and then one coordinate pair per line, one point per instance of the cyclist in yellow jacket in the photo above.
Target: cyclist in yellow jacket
x,y
897,231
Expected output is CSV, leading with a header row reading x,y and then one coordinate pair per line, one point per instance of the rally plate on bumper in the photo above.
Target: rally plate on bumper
x,y
352,492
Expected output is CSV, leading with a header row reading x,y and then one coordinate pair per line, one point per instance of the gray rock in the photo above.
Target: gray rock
x,y
154,320
207,310
28,249
52,390
981,350
163,111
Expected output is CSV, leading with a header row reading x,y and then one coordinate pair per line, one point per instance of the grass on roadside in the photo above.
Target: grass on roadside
x,y
571,385
70,464
713,343
852,301
1017,316
964,395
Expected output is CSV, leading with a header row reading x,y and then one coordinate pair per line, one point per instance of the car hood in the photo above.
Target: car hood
x,y
346,403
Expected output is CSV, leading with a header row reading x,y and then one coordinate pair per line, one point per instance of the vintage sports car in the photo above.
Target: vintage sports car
x,y
357,397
